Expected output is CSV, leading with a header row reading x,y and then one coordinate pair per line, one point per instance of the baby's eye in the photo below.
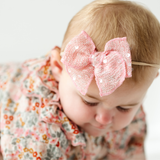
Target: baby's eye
x,y
89,104
123,109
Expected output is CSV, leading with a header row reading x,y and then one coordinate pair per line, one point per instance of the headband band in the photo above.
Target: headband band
x,y
145,64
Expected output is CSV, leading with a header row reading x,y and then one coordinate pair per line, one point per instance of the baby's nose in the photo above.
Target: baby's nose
x,y
104,117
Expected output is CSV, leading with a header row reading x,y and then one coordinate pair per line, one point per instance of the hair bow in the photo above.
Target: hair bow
x,y
110,68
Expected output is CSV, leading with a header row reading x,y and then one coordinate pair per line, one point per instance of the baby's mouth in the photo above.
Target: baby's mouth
x,y
102,127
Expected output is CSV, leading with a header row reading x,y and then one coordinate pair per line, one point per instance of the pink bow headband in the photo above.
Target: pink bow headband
x,y
109,67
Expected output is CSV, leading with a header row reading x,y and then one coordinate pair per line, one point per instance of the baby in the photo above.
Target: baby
x,y
84,101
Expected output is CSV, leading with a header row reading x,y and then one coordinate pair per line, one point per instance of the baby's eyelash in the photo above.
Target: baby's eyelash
x,y
89,104
95,104
123,109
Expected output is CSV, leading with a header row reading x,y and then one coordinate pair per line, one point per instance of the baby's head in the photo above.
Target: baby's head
x,y
104,20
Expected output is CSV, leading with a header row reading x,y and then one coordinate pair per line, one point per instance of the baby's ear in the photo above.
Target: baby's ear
x,y
56,63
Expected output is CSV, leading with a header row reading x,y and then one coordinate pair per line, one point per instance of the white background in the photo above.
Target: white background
x,y
30,28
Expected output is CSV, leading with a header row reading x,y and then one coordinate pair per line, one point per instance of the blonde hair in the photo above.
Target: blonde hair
x,y
104,20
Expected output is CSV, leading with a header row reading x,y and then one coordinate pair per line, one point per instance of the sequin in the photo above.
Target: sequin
x,y
119,61
128,55
76,47
86,77
101,81
104,61
74,78
79,76
129,73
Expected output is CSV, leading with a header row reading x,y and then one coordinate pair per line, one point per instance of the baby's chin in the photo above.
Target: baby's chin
x,y
97,134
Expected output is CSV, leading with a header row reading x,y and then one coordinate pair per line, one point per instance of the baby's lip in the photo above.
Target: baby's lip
x,y
102,126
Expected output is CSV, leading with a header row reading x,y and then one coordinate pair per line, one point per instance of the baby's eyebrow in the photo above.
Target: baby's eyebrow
x,y
134,104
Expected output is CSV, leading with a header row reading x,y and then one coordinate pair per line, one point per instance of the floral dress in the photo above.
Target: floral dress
x,y
33,125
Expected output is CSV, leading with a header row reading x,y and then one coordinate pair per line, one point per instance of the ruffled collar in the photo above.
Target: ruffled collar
x,y
39,82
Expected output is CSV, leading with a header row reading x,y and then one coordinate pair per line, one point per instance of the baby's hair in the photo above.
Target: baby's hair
x,y
104,20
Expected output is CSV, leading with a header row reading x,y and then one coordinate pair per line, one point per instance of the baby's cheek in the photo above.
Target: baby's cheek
x,y
82,114
122,120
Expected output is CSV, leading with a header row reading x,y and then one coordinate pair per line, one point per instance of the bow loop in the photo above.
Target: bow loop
x,y
78,51
121,45
110,73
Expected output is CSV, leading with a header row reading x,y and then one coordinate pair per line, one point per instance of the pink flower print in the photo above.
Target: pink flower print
x,y
20,147
34,128
19,132
36,137
17,152
33,133
28,109
46,100
41,130
53,141
40,124
27,133
48,134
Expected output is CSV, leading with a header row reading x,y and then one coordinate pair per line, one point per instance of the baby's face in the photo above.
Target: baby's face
x,y
97,115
